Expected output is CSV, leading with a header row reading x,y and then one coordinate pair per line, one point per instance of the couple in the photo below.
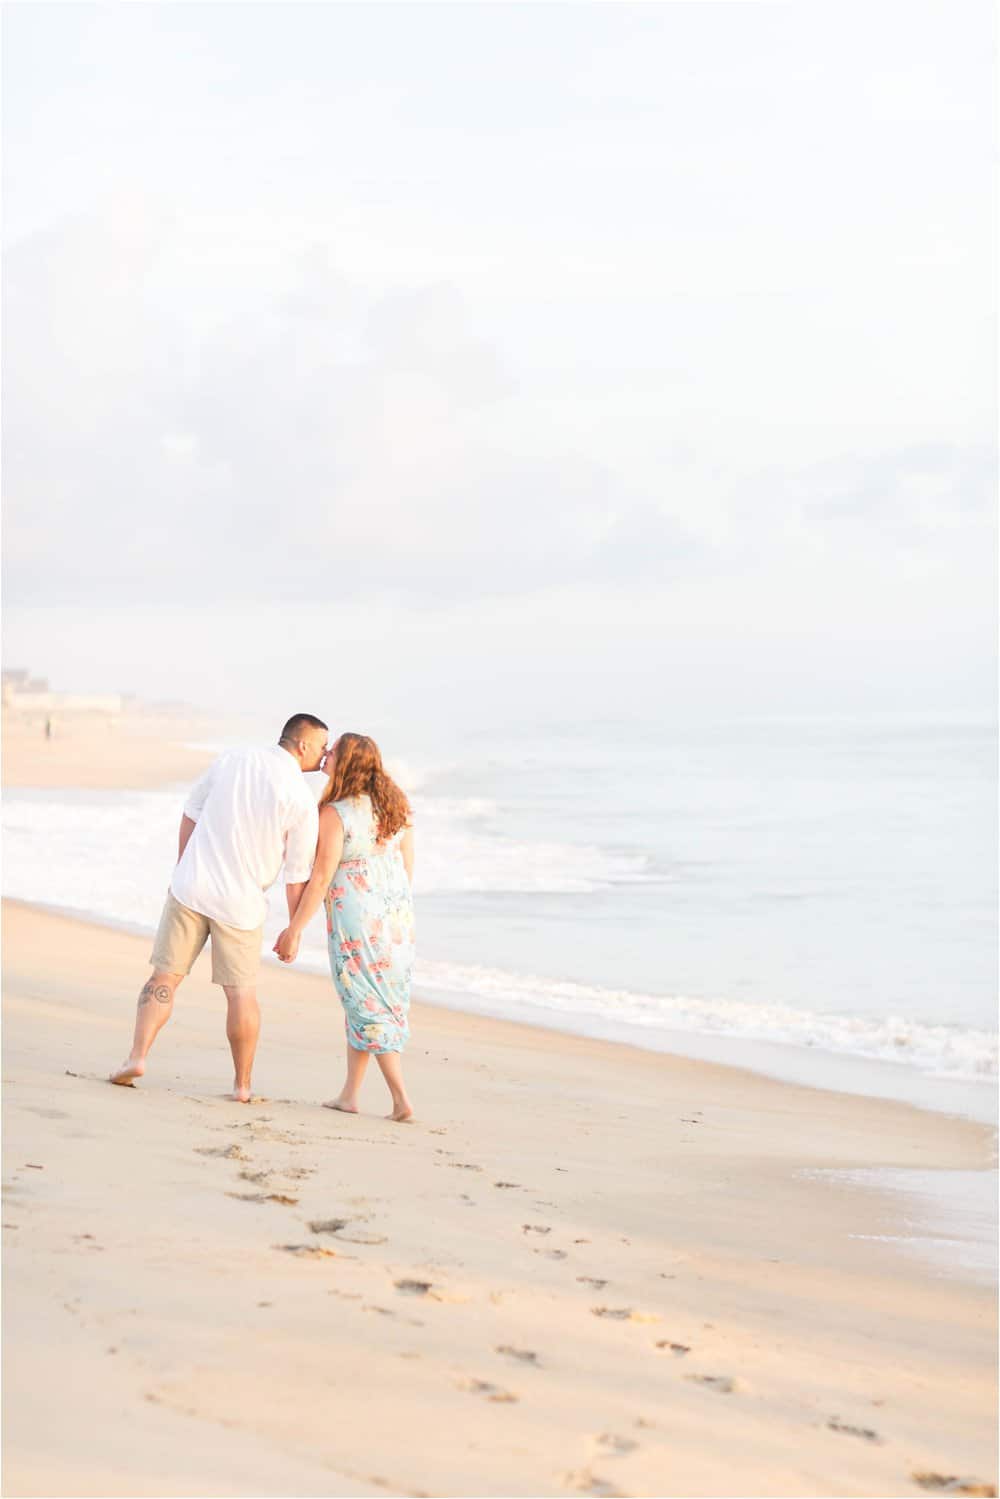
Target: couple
x,y
250,812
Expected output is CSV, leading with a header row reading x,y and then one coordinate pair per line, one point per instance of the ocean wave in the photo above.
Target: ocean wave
x,y
946,1051
107,855
940,1050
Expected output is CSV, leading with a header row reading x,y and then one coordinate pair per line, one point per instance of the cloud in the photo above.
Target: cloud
x,y
311,436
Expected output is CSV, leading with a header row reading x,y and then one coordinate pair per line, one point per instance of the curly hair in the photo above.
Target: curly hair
x,y
357,771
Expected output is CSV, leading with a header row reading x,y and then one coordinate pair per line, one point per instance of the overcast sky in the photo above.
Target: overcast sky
x,y
523,357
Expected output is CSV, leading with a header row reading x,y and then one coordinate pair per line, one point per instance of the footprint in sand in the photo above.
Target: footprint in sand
x,y
551,1254
720,1383
592,1280
412,1287
464,1166
864,1432
677,1349
937,1483
535,1228
308,1251
227,1152
279,1197
624,1314
586,1482
610,1443
525,1355
490,1391
385,1311
337,1225
507,1184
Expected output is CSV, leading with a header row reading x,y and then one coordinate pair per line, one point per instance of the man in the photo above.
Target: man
x,y
249,811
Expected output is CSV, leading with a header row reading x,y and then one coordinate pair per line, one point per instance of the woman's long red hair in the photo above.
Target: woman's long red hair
x,y
357,770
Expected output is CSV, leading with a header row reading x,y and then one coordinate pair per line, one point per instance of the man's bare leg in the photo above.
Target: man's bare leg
x,y
242,1030
391,1064
156,1003
357,1065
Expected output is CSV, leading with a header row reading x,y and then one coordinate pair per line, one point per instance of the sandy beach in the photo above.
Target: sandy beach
x,y
132,752
585,1269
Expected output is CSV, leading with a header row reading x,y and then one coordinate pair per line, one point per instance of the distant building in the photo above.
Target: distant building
x,y
64,702
17,681
29,696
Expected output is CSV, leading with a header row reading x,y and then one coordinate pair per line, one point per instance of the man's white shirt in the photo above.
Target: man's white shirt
x,y
252,809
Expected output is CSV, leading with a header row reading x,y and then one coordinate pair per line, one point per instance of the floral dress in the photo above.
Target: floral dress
x,y
369,924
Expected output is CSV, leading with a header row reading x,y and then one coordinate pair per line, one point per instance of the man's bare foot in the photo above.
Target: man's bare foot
x,y
126,1074
239,1095
345,1106
401,1115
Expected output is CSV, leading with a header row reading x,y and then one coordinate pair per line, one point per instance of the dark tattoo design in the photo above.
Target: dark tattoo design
x,y
159,992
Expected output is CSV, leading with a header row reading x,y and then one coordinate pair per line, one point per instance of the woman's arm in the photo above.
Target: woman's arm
x,y
406,849
328,852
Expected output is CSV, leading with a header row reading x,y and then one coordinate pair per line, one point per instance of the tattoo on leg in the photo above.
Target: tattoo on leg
x,y
159,992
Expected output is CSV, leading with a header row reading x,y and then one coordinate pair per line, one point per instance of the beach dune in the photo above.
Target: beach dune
x,y
585,1269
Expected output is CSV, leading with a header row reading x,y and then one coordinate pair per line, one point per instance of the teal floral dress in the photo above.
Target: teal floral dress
x,y
370,931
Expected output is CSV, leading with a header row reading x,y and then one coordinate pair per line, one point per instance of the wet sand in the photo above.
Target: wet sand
x,y
584,1269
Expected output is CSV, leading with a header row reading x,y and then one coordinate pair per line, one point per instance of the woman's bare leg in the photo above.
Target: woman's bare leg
x,y
357,1065
391,1064
156,1002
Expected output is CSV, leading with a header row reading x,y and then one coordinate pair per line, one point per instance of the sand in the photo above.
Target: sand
x,y
584,1269
130,753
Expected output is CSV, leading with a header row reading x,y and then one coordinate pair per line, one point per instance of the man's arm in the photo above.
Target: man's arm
x,y
187,828
300,852
197,797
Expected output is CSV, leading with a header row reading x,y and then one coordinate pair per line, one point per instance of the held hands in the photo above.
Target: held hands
x,y
287,945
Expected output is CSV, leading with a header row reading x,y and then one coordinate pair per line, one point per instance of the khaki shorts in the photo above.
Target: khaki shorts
x,y
182,934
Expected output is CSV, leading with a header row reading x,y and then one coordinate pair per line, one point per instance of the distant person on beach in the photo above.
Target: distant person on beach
x,y
363,875
250,810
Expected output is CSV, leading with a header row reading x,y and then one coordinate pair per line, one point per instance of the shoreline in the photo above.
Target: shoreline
x,y
601,1268
853,1072
971,1099
527,1033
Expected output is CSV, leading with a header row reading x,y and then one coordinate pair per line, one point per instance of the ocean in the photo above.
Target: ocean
x,y
815,899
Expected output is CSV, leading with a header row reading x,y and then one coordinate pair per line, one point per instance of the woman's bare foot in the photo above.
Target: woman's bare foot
x,y
239,1095
125,1075
401,1114
345,1105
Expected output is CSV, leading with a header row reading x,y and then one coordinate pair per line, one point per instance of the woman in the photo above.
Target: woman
x,y
362,874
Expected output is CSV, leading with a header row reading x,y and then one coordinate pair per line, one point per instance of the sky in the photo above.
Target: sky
x,y
503,360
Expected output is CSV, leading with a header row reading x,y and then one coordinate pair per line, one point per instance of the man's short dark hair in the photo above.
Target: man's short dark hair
x,y
297,725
